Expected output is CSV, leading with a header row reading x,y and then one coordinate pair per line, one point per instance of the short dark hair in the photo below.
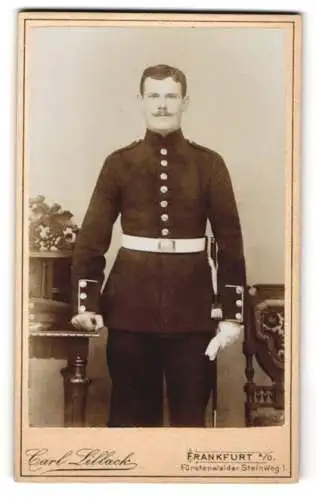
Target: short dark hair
x,y
162,71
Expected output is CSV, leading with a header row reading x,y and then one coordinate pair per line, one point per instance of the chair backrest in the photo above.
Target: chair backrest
x,y
264,341
266,304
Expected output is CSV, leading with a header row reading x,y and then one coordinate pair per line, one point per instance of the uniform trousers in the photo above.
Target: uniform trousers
x,y
141,363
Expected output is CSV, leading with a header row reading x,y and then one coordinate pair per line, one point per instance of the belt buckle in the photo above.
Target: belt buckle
x,y
167,245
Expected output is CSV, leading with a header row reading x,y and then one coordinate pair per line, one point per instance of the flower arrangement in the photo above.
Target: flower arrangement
x,y
50,227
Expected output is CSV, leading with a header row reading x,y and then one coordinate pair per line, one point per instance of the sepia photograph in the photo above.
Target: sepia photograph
x,y
158,166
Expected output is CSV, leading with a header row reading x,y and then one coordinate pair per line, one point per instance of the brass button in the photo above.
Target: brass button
x,y
238,316
164,217
163,177
238,303
82,283
163,151
239,290
83,295
163,203
163,163
163,189
82,309
165,232
32,317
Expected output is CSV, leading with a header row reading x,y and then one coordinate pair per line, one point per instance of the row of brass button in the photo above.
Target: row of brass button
x,y
164,217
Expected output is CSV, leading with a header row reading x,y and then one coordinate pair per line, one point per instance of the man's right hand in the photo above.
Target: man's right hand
x,y
88,321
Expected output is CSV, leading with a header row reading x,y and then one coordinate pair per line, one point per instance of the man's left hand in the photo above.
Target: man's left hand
x,y
227,333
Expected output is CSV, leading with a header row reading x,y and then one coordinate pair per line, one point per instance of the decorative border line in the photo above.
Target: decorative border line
x,y
182,477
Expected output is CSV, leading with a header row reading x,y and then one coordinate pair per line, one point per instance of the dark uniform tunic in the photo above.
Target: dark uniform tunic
x,y
163,187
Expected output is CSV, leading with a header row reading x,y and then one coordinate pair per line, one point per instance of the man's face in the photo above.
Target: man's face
x,y
163,105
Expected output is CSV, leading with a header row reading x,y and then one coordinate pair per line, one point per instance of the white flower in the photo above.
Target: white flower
x,y
44,232
67,230
69,234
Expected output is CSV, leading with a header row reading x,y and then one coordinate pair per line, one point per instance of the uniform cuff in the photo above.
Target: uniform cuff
x,y
233,303
87,295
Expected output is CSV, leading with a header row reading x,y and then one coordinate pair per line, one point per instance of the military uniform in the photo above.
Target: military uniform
x,y
165,188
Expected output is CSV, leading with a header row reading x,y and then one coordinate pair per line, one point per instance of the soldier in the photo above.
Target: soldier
x,y
157,301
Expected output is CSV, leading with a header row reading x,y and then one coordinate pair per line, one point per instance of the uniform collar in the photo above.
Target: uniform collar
x,y
172,140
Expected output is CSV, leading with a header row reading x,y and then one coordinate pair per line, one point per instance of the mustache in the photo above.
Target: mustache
x,y
162,113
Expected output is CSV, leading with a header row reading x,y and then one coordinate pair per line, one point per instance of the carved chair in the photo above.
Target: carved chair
x,y
264,350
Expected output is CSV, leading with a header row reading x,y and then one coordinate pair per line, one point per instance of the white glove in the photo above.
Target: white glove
x,y
88,321
227,333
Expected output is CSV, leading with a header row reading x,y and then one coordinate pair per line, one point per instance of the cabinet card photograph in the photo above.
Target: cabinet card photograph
x,y
157,303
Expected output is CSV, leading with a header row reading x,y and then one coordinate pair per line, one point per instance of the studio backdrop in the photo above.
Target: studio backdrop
x,y
82,92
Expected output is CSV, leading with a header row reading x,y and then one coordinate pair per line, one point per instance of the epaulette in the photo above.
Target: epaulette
x,y
129,146
199,146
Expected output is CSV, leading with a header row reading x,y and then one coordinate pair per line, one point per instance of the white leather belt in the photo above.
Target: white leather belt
x,y
163,245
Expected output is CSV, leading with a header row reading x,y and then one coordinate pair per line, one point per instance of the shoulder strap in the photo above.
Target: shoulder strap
x,y
129,146
199,146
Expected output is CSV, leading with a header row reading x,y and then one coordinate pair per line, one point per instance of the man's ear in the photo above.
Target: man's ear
x,y
185,103
140,99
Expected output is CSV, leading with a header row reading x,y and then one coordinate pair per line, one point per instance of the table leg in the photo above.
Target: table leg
x,y
76,385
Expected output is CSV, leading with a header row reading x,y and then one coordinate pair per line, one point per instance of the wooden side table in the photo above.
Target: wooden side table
x,y
51,335
72,346
52,236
